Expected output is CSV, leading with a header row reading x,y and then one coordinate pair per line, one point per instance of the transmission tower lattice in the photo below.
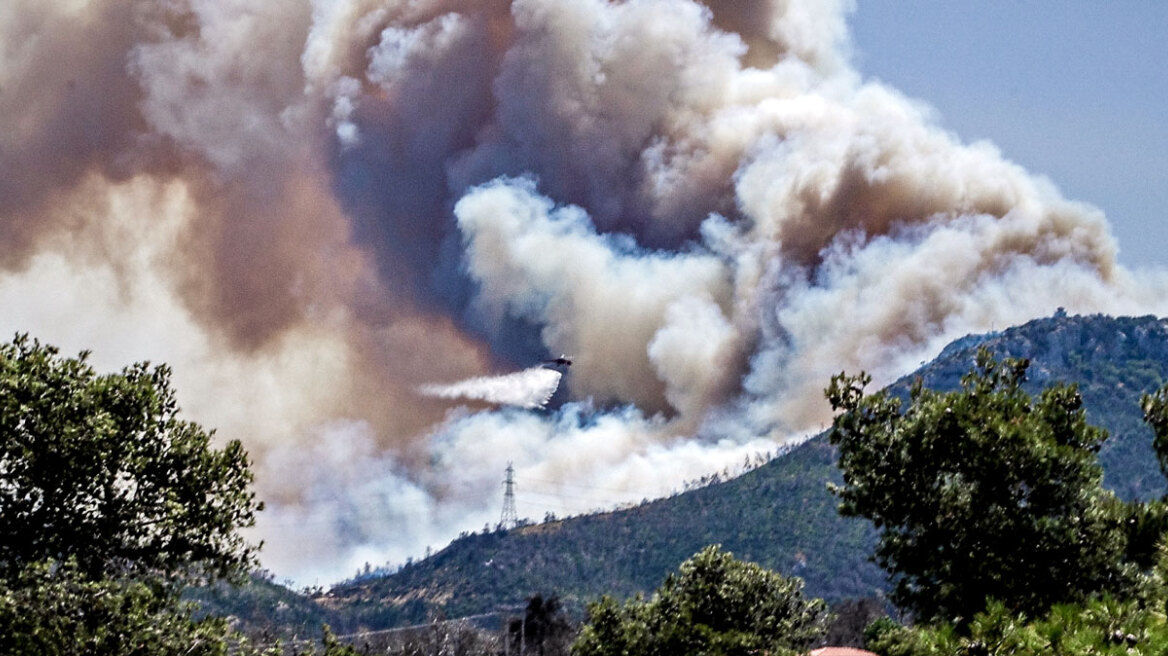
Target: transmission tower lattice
x,y
509,518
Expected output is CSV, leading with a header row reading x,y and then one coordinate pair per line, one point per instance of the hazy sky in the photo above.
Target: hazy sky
x,y
389,198
1076,90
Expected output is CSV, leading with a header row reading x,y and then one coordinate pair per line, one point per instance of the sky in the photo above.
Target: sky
x,y
354,244
1075,90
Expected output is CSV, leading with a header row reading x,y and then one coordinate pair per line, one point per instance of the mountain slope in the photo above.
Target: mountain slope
x,y
1112,360
779,515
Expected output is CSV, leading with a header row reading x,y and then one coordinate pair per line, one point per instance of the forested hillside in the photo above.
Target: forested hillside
x,y
779,515
1113,361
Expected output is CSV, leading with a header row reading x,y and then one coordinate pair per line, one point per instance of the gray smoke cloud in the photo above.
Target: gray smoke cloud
x,y
314,208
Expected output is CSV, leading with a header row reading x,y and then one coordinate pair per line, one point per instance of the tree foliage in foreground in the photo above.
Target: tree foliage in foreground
x,y
986,493
1155,407
99,469
1134,625
715,605
54,609
109,503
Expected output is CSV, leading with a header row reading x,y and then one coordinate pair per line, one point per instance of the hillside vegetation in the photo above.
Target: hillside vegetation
x,y
1112,360
779,515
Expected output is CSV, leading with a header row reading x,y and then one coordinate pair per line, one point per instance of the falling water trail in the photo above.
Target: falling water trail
x,y
530,388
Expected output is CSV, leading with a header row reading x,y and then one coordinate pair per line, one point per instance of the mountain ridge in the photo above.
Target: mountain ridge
x,y
781,514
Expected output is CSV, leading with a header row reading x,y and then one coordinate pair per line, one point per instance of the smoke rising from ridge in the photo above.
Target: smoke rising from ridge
x,y
314,208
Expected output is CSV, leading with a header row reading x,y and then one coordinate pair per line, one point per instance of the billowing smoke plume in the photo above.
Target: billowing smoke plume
x,y
531,388
313,208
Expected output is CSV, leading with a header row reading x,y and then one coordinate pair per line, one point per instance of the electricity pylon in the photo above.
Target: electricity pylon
x,y
509,518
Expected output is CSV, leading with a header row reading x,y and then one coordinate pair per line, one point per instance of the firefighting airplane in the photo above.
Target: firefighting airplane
x,y
562,361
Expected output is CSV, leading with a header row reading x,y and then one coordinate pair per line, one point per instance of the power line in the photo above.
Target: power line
x,y
592,500
579,485
415,627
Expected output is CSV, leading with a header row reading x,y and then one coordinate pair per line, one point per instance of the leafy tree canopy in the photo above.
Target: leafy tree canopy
x,y
99,470
984,493
1122,626
57,610
543,629
715,605
108,504
1155,407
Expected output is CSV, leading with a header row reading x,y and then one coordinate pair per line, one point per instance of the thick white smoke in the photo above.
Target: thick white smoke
x,y
314,208
597,295
531,388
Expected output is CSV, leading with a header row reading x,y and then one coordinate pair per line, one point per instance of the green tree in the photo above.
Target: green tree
x,y
99,469
983,493
716,605
1155,407
54,609
1135,624
543,629
109,505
